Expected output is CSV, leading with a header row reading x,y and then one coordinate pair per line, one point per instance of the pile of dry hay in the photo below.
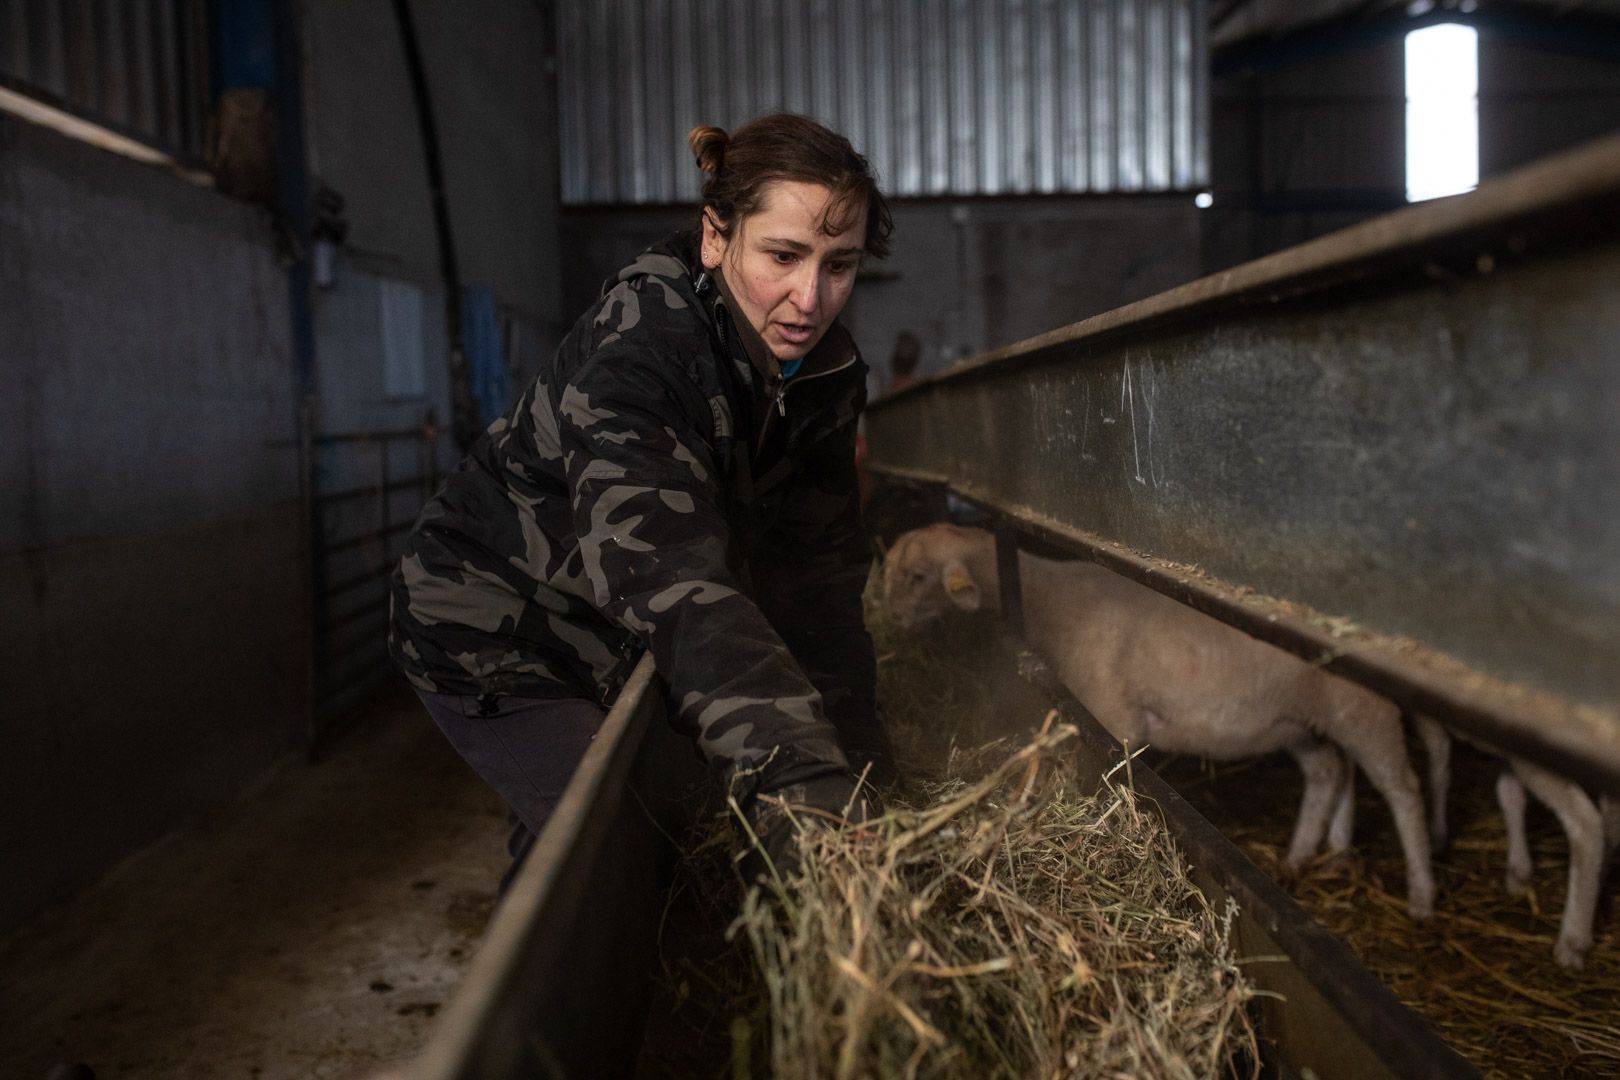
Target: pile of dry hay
x,y
988,926
1004,926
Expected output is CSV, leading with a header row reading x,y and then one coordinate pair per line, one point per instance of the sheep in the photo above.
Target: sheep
x,y
1591,827
1154,671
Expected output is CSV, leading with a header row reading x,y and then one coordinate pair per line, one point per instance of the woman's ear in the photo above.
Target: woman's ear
x,y
714,241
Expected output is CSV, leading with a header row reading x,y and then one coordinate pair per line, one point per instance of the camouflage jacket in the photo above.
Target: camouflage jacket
x,y
654,488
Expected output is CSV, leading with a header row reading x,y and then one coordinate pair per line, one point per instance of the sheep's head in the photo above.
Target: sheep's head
x,y
926,576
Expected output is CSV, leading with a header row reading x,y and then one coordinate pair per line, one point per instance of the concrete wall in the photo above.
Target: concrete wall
x,y
965,276
150,547
1305,143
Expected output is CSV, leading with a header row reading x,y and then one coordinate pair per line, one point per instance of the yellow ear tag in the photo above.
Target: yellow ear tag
x,y
957,582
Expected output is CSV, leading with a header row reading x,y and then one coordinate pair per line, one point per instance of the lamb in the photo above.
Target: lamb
x,y
1592,828
1154,671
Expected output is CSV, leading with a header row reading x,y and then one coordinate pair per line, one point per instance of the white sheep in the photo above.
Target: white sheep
x,y
1154,671
1592,828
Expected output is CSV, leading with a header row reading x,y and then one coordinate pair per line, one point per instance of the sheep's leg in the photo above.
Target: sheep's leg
x,y
1609,807
1437,748
1375,742
1510,797
1583,824
1343,828
1323,768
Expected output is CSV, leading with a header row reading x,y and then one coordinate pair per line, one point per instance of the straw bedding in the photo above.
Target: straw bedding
x,y
1481,972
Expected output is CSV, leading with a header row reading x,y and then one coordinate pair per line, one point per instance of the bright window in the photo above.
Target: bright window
x,y
1442,111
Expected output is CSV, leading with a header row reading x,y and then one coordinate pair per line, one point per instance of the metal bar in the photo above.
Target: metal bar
x,y
168,85
367,537
312,564
368,436
385,516
1406,677
1391,449
414,483
560,985
376,573
356,667
352,638
1011,581
361,437
430,439
1326,1015
356,613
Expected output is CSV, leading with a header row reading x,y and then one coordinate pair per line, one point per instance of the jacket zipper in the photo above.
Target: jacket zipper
x,y
781,396
781,389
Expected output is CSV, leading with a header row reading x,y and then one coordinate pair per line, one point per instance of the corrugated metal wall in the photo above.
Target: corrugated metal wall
x,y
138,66
945,97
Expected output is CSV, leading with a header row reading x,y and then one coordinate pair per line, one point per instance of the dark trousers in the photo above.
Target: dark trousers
x,y
524,748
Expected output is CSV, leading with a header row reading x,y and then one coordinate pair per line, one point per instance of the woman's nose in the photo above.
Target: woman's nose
x,y
807,289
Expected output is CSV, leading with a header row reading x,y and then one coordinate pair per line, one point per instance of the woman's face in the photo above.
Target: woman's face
x,y
790,278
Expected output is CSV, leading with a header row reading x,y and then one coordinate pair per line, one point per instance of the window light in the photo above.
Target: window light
x,y
1442,111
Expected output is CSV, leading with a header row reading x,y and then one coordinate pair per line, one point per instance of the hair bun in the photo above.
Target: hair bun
x,y
708,147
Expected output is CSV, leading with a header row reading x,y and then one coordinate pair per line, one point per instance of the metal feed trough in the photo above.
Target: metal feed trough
x,y
1393,451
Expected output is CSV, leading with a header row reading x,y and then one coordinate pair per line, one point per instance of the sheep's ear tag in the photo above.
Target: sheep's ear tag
x,y
957,582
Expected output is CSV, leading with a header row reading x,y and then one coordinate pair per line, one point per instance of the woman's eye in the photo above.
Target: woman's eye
x,y
840,266
782,258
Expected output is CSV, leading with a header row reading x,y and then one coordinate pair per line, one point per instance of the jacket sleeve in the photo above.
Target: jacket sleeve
x,y
660,559
810,571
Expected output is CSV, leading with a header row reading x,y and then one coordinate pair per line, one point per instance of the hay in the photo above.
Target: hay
x,y
1006,926
997,922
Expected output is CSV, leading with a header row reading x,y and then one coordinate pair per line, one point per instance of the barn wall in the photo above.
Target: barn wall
x,y
150,551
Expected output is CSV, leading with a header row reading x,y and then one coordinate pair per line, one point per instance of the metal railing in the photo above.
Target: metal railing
x,y
360,501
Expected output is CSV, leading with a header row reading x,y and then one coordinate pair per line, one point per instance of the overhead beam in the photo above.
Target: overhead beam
x,y
1576,33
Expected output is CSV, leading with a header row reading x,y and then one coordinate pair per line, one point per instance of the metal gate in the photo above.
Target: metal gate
x,y
362,492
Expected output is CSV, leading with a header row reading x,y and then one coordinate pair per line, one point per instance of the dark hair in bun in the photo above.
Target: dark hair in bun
x,y
738,167
708,147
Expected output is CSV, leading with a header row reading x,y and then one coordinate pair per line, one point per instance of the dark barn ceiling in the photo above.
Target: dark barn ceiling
x,y
1237,23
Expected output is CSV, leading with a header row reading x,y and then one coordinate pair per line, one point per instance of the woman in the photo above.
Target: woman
x,y
679,477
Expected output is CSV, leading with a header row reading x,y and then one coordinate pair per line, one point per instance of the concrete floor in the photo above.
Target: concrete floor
x,y
310,930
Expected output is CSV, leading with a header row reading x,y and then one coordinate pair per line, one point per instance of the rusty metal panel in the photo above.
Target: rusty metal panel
x,y
945,97
1399,440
